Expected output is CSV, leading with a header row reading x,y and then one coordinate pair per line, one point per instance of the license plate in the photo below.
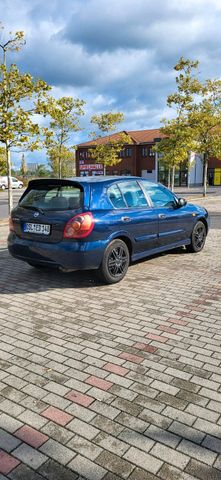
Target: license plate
x,y
39,228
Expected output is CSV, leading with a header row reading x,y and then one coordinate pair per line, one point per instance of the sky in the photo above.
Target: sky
x,y
117,55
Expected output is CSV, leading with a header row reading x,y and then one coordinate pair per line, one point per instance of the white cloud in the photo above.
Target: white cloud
x,y
117,55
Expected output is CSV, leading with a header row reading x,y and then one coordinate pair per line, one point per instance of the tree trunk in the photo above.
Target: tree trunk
x,y
168,178
205,174
10,197
172,178
59,167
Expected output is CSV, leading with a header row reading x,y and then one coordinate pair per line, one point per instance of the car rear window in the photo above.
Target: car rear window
x,y
53,197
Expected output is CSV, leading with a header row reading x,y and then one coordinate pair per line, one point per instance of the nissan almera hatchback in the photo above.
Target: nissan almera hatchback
x,y
101,223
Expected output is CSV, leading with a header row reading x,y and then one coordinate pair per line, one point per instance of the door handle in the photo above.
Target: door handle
x,y
125,219
162,215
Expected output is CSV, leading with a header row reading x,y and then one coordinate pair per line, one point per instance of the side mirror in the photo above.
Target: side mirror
x,y
181,202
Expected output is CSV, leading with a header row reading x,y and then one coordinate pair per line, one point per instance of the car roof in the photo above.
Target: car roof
x,y
106,179
87,182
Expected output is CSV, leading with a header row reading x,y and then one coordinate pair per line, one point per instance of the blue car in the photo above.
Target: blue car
x,y
101,223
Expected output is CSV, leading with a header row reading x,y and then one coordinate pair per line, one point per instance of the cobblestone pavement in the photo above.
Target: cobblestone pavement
x,y
112,382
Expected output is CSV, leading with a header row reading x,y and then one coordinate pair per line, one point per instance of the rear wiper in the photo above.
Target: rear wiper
x,y
37,209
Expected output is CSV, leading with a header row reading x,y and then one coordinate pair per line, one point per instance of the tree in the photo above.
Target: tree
x,y
175,146
62,161
23,169
20,95
3,163
205,122
64,113
197,126
41,171
177,137
107,152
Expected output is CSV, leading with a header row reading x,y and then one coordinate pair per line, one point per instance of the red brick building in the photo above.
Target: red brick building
x,y
138,158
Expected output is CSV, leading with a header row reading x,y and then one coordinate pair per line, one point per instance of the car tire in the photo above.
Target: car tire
x,y
115,262
3,187
198,238
20,186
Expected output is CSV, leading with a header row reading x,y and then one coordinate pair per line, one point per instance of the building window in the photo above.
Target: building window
x,y
122,153
128,152
151,153
144,152
81,154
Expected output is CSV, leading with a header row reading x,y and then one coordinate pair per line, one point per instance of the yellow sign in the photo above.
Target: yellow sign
x,y
217,176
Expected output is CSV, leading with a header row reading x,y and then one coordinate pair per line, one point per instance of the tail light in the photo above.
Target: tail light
x,y
11,225
80,226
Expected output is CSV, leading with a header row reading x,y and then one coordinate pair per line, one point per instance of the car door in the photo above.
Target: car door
x,y
174,223
137,216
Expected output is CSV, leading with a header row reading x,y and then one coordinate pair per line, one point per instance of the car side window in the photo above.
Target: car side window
x,y
116,197
133,194
160,196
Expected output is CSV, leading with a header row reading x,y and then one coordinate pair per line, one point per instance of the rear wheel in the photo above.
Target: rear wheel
x,y
3,187
115,262
198,238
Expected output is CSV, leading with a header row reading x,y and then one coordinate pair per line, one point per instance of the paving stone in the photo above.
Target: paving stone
x,y
8,442
187,432
202,471
165,394
84,447
9,423
82,428
163,436
7,462
139,474
197,452
81,399
87,468
132,422
57,451
99,382
22,472
53,471
170,455
57,432
108,425
115,464
111,367
31,436
168,472
57,416
136,439
30,456
33,419
143,460
212,443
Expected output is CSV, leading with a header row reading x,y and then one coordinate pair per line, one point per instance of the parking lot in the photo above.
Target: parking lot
x,y
113,382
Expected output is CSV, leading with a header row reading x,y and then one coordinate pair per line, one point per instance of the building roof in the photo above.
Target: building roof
x,y
137,137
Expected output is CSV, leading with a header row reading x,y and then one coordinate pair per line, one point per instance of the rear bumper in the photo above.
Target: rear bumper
x,y
67,255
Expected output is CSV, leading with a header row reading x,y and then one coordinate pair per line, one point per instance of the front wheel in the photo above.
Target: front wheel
x,y
198,238
115,262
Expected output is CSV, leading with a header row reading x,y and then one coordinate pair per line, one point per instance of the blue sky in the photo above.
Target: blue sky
x,y
117,55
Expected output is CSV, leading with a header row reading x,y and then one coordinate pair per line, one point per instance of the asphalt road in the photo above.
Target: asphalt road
x,y
4,201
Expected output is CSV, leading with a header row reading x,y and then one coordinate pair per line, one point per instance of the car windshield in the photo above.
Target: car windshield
x,y
53,197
